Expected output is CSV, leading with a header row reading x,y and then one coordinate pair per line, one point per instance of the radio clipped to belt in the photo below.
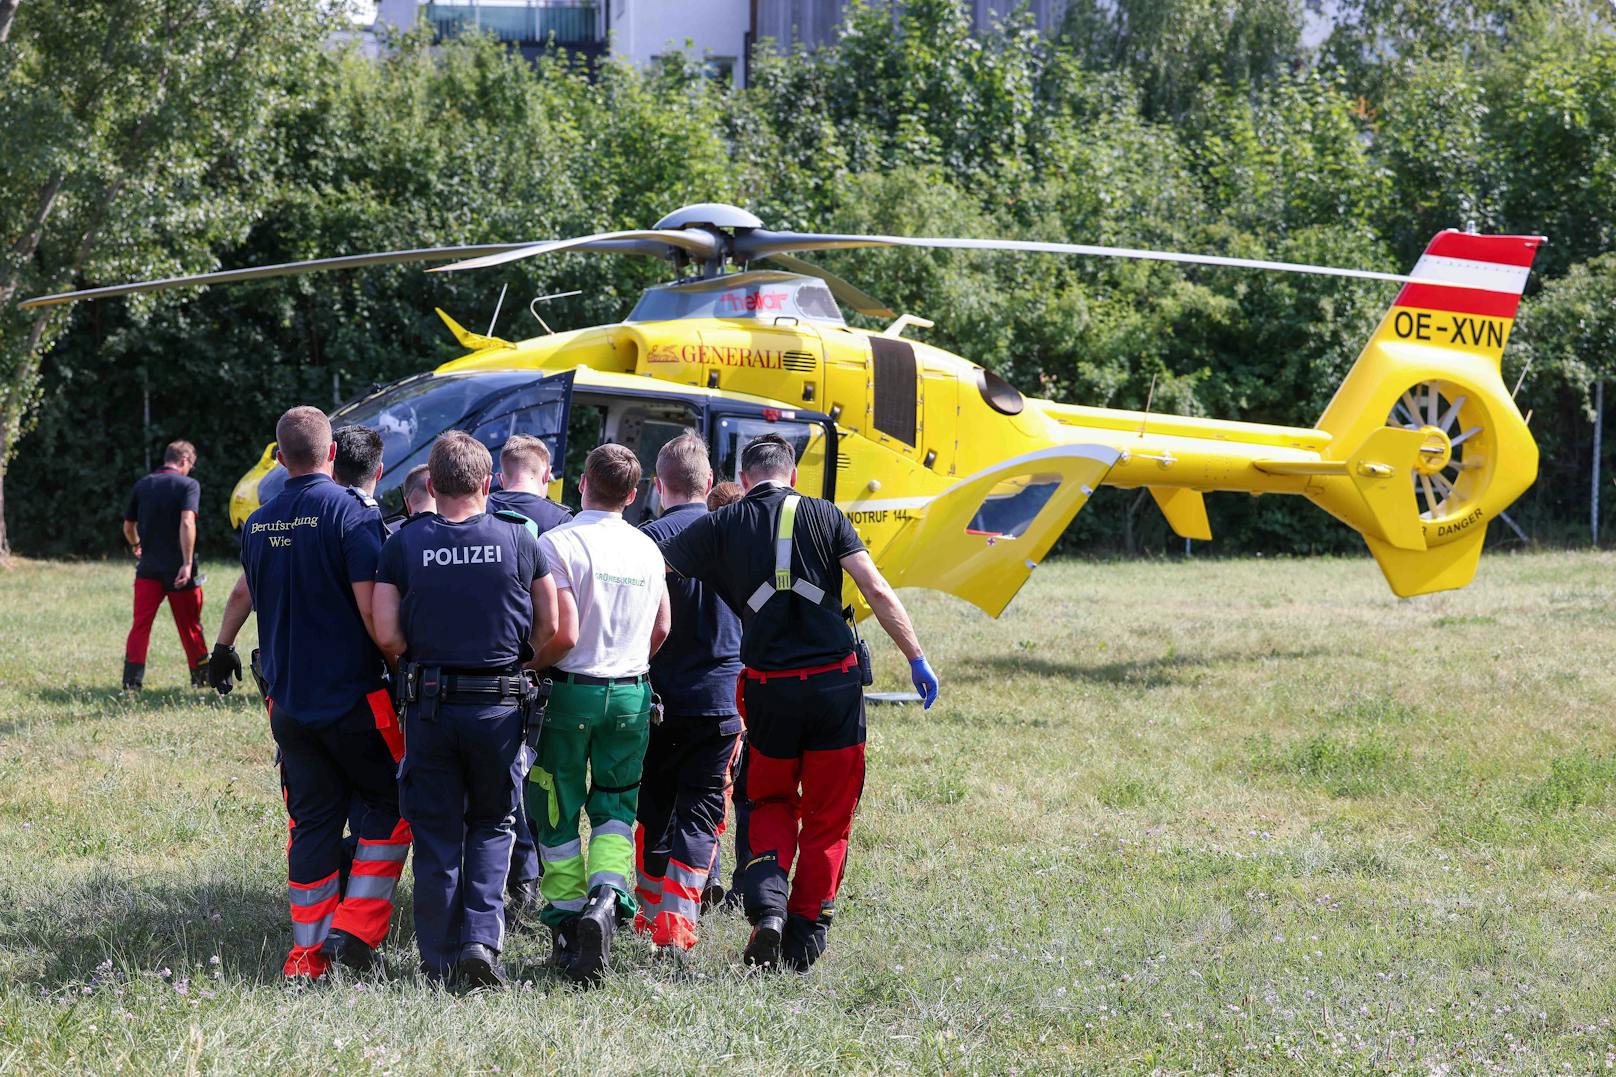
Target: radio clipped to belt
x,y
535,701
256,665
862,649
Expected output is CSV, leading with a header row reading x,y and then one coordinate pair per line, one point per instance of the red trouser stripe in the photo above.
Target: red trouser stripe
x,y
186,606
381,705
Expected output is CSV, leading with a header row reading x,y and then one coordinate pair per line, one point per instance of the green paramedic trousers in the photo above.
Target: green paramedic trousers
x,y
591,754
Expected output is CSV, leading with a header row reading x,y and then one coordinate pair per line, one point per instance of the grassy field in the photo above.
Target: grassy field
x,y
1247,816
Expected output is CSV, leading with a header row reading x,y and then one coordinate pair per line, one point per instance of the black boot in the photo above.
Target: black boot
x,y
480,969
763,949
199,675
564,945
134,676
804,942
596,926
520,897
712,896
341,948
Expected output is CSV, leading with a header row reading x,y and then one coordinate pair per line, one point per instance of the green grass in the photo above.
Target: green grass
x,y
1247,816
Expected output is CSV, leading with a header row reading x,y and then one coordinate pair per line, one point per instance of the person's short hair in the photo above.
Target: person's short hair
x,y
683,466
768,456
725,493
415,484
524,455
359,454
178,452
613,473
303,437
459,464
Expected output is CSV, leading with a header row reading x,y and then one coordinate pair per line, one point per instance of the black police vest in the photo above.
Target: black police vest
x,y
467,602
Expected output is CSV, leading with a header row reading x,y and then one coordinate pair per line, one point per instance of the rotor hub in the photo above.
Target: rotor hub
x,y
1436,451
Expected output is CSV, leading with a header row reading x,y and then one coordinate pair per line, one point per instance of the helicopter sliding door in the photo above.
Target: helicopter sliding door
x,y
538,408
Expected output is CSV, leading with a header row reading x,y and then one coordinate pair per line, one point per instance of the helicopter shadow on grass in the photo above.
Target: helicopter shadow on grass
x,y
143,926
63,941
1158,671
95,703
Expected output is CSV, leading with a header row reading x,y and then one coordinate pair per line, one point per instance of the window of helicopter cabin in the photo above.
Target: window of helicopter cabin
x,y
1011,507
786,297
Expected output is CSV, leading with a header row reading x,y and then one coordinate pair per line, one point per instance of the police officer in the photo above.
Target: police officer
x,y
310,558
466,598
524,473
613,615
777,557
417,498
687,763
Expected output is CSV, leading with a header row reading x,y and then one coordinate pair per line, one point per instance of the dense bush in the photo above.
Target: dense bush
x,y
1190,125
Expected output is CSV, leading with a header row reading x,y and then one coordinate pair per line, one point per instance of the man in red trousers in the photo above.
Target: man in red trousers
x,y
160,527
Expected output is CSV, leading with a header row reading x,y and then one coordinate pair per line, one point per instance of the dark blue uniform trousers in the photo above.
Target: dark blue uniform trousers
x,y
458,789
525,865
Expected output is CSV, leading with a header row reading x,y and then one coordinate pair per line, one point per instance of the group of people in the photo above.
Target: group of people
x,y
476,675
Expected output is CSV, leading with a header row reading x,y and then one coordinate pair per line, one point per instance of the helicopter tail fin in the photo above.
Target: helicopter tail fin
x,y
1427,444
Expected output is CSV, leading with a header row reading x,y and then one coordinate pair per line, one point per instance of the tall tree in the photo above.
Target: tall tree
x,y
132,146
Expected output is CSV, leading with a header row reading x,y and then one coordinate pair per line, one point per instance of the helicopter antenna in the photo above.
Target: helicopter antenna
x,y
1149,396
497,305
1527,369
533,306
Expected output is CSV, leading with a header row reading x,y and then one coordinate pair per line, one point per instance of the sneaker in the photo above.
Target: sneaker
x,y
134,676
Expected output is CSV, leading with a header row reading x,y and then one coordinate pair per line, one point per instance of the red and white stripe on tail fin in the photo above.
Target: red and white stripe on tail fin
x,y
1482,276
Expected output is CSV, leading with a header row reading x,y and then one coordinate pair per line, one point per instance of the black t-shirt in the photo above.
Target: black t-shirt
x,y
733,551
466,602
544,513
695,670
155,505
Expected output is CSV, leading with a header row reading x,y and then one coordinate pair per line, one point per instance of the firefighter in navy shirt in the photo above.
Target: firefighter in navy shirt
x,y
688,759
524,473
466,599
310,558
777,558
160,526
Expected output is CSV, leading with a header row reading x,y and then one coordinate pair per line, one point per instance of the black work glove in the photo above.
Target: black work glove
x,y
222,665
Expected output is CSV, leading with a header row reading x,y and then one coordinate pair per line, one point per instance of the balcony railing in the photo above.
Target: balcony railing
x,y
570,24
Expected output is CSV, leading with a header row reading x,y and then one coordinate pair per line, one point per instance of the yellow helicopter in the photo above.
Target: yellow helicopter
x,y
954,479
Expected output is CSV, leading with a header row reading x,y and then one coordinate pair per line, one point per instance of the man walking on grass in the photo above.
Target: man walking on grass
x,y
159,525
612,615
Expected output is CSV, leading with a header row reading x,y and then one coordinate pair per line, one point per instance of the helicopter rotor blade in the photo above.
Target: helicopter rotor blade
x,y
760,242
284,269
700,245
861,302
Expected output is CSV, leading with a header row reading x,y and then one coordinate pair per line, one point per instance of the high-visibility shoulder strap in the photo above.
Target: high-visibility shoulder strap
x,y
785,528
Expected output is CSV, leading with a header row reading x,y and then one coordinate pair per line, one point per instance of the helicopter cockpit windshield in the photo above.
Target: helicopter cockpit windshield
x,y
409,414
763,296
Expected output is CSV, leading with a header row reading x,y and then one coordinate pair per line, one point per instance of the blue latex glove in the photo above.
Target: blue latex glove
x,y
925,680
